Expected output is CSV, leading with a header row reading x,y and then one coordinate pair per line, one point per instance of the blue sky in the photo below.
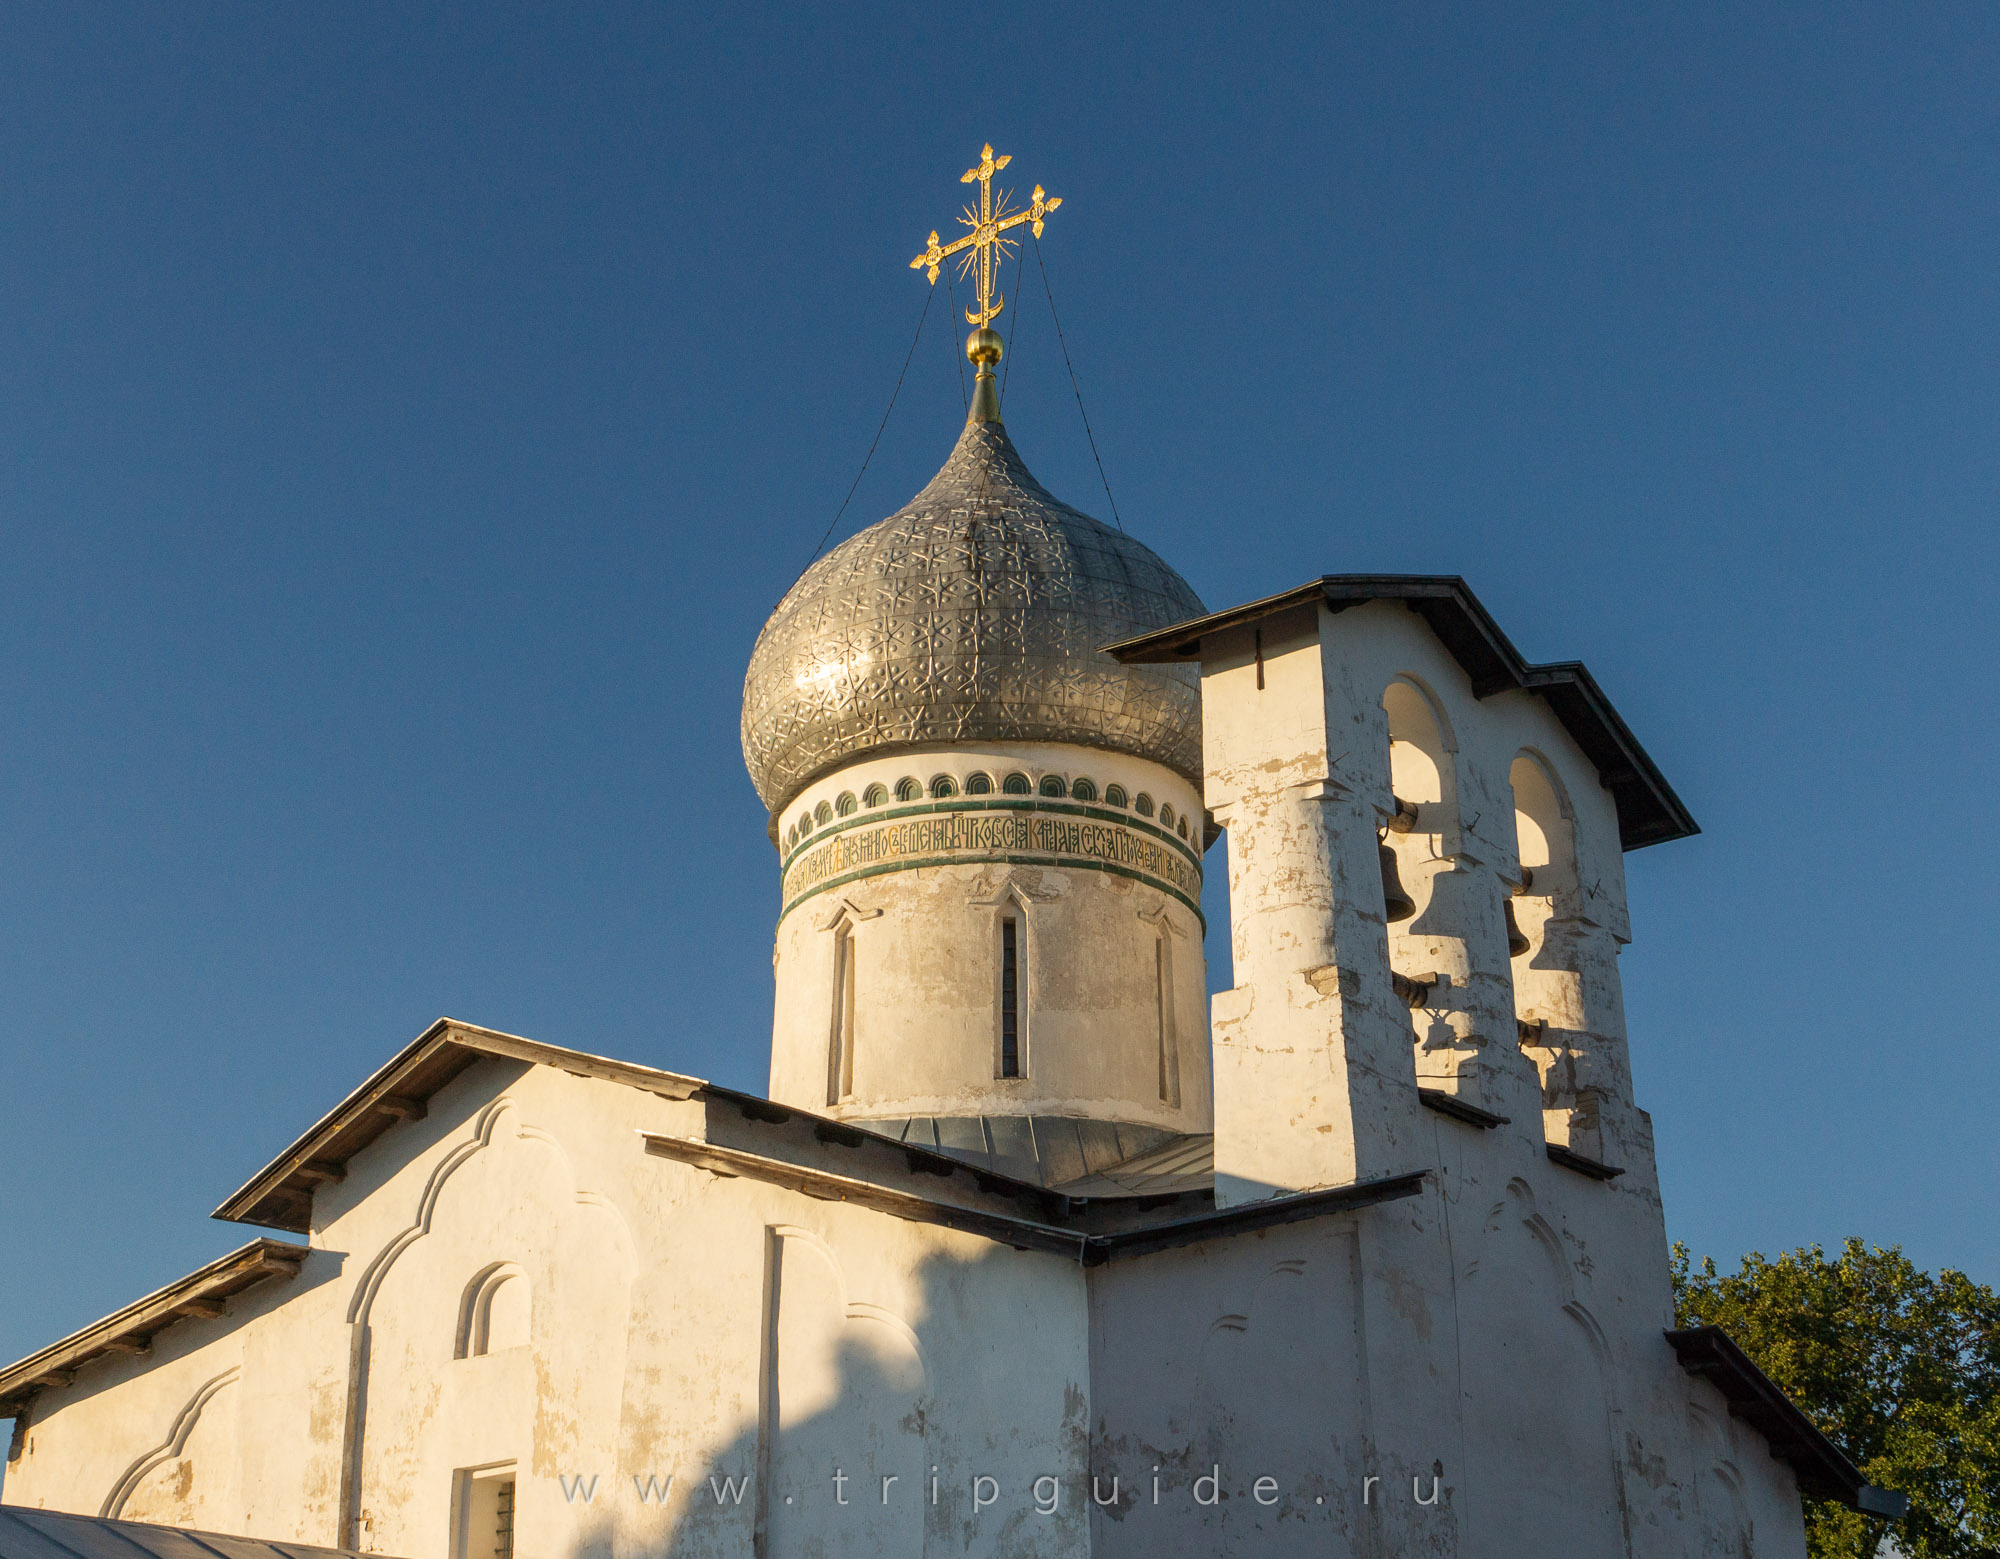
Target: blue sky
x,y
409,415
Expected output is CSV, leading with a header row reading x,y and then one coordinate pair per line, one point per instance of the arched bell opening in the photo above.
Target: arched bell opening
x,y
1417,843
1545,845
1420,834
1554,1028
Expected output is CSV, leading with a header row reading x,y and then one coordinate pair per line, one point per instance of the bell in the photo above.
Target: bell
x,y
1396,904
1516,943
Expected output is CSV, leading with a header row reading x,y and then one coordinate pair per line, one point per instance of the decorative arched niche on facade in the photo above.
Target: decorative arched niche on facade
x,y
494,1312
841,1018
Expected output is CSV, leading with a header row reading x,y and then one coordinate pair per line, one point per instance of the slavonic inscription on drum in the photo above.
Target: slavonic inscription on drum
x,y
947,838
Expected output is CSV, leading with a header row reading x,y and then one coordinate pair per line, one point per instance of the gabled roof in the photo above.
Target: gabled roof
x,y
748,1135
280,1195
53,1534
131,1330
1648,810
1822,1468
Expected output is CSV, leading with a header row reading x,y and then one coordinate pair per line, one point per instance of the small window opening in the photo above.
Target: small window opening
x,y
1163,986
823,813
874,795
1010,996
1166,817
1083,790
1114,795
1144,805
484,1497
1017,785
944,785
846,806
840,1043
907,789
979,784
1052,785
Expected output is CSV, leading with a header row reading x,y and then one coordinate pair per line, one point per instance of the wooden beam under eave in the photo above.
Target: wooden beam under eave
x,y
404,1109
137,1345
321,1171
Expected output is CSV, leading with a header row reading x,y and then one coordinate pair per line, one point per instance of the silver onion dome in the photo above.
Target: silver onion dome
x,y
976,612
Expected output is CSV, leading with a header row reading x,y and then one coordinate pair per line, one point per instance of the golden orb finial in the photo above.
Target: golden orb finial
x,y
983,347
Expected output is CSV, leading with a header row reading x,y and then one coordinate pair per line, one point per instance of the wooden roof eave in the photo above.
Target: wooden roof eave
x,y
131,1330
1823,1470
1649,812
280,1195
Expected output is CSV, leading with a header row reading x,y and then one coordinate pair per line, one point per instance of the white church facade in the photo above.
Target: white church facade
x,y
1031,1249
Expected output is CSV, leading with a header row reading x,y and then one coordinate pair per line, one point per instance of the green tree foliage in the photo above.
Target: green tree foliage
x,y
1900,1369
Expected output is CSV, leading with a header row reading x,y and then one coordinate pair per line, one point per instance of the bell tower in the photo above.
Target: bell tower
x,y
1426,886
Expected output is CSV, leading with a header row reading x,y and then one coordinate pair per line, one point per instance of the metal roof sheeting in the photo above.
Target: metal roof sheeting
x,y
53,1534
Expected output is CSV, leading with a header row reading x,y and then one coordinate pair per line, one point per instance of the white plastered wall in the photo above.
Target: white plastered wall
x,y
652,1324
926,945
1516,1294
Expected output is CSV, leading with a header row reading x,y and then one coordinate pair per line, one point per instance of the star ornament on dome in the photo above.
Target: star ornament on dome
x,y
983,248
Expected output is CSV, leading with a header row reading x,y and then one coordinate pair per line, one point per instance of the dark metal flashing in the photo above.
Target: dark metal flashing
x,y
1459,1110
1248,1217
1822,1468
1073,1230
1648,810
1569,1159
1022,1233
131,1330
866,1150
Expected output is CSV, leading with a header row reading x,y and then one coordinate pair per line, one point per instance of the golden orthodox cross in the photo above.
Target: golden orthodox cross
x,y
988,222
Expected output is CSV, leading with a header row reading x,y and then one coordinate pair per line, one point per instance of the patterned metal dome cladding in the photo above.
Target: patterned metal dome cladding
x,y
974,613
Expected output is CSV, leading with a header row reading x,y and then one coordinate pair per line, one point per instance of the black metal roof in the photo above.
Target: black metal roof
x,y
1648,810
204,1293
55,1534
1822,1468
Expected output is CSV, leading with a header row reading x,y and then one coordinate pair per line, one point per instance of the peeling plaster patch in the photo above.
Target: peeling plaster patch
x,y
1643,1464
1406,1298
